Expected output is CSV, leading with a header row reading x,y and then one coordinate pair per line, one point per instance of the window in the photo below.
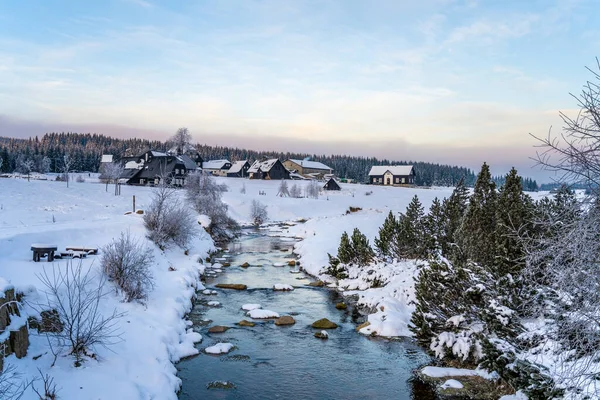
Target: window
x,y
156,181
397,180
403,180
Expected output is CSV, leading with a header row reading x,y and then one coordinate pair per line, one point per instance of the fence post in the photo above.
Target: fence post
x,y
134,203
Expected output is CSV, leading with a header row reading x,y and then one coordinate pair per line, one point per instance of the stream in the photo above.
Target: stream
x,y
271,362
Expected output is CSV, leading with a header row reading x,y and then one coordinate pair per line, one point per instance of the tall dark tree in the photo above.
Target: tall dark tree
x,y
454,208
387,234
477,234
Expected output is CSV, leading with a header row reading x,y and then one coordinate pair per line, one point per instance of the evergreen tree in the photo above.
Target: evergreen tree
x,y
409,241
454,208
387,234
336,268
345,250
435,228
363,253
477,233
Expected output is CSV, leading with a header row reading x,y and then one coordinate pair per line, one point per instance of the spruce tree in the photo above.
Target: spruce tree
x,y
477,233
363,253
386,235
434,226
454,208
409,242
345,250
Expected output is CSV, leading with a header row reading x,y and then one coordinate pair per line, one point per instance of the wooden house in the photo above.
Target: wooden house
x,y
216,167
152,166
239,169
387,175
308,168
332,185
268,169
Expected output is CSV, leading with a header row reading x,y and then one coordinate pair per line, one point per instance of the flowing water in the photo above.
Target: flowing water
x,y
288,362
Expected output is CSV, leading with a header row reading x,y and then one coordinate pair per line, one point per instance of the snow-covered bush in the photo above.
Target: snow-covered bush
x,y
351,251
167,219
312,190
205,195
75,295
127,262
295,191
80,179
258,213
283,191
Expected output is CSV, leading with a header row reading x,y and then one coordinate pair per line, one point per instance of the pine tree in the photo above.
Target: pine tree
x,y
336,268
345,250
363,253
409,241
435,228
477,233
454,208
386,235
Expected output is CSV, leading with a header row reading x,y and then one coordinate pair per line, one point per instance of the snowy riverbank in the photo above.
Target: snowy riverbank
x,y
152,336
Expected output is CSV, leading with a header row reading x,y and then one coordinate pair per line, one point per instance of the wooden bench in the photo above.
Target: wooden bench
x,y
40,250
87,250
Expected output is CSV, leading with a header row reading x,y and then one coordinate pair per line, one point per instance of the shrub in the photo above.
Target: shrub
x,y
167,219
126,262
312,190
295,191
76,295
80,179
258,213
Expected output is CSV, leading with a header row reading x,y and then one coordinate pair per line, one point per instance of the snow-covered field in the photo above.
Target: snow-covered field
x,y
155,335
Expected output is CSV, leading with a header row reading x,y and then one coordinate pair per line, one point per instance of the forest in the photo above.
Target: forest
x,y
46,154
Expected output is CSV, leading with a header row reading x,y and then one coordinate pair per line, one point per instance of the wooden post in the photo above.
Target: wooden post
x,y
134,203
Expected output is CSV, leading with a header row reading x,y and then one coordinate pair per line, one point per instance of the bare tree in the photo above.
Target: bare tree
x,y
111,173
127,263
167,219
258,213
180,140
283,189
574,154
25,165
76,296
12,383
312,190
67,164
295,192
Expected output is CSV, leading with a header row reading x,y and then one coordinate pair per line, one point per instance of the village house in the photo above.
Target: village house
x,y
239,169
152,166
387,175
216,167
332,185
313,169
268,169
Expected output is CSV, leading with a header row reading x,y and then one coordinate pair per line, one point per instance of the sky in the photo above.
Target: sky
x,y
447,81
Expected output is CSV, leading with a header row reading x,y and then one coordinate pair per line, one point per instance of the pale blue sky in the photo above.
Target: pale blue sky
x,y
437,80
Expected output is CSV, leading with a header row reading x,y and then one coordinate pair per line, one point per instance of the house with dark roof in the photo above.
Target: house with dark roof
x,y
388,175
152,166
332,185
239,169
268,169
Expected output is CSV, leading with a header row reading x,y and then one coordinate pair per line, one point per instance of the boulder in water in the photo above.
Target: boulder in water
x,y
324,323
217,329
341,306
245,322
234,286
322,335
285,320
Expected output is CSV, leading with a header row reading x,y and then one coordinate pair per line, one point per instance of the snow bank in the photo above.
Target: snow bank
x,y
262,314
442,372
251,306
219,348
153,336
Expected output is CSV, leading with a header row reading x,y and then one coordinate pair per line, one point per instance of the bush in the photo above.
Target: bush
x,y
205,195
295,191
258,213
312,190
167,220
75,296
126,262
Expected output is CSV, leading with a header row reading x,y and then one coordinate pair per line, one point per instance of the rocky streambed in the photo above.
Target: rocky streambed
x,y
258,319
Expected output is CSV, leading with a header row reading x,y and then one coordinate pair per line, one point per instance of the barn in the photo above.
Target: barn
x,y
332,185
268,169
239,169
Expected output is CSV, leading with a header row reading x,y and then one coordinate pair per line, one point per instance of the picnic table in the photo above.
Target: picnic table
x,y
40,250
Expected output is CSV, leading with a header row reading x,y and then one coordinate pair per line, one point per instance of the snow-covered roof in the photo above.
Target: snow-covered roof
x,y
395,170
310,164
107,158
263,165
237,166
190,165
158,153
187,148
134,165
215,164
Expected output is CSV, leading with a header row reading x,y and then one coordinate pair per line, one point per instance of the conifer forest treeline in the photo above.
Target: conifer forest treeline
x,y
46,154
